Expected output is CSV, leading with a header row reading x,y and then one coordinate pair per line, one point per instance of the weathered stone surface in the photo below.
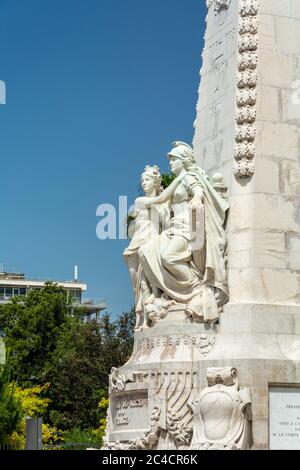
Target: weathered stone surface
x,y
130,414
248,129
259,329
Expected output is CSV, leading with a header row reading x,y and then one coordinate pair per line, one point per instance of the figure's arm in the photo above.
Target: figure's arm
x,y
196,191
164,197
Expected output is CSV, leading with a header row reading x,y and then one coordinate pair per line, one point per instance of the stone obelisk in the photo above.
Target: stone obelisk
x,y
195,364
248,129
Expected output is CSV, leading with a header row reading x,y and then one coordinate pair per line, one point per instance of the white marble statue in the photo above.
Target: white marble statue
x,y
146,224
176,265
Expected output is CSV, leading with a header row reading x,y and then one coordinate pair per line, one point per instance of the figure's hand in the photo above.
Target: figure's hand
x,y
133,214
196,203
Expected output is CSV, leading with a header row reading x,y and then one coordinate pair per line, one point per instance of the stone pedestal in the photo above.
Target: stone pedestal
x,y
152,397
263,342
163,374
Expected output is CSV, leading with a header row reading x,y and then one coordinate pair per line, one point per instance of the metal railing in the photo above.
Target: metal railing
x,y
7,447
93,302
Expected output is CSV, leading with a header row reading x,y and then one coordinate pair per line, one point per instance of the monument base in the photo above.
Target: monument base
x,y
153,397
162,374
263,342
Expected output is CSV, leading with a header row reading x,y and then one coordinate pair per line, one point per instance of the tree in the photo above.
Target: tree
x,y
10,407
50,345
117,340
31,327
33,404
80,368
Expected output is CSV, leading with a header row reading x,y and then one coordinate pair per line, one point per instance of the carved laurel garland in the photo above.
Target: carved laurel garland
x,y
246,96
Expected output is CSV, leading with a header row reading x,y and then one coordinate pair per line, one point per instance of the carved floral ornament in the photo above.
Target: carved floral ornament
x,y
246,93
218,5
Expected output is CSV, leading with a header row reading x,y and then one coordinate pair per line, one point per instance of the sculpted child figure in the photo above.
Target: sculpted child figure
x,y
146,225
186,272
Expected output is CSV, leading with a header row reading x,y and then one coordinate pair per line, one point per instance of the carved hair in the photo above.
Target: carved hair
x,y
154,173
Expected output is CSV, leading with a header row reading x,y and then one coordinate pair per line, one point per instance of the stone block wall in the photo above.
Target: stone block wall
x,y
248,127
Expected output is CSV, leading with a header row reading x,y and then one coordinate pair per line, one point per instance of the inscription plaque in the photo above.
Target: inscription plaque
x,y
284,416
130,412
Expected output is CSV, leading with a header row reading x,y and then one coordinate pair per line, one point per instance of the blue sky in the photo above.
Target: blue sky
x,y
96,89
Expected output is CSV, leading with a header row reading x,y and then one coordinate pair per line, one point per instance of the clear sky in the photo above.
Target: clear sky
x,y
96,89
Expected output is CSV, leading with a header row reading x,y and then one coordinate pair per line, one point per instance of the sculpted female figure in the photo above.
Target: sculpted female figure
x,y
174,263
148,223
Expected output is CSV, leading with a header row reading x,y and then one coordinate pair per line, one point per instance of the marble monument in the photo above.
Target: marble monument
x,y
215,258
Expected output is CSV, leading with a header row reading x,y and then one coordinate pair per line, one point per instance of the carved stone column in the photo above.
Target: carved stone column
x,y
248,128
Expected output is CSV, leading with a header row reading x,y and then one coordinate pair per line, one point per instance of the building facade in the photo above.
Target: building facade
x,y
17,284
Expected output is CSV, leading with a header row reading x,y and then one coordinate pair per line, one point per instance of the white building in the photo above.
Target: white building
x,y
17,284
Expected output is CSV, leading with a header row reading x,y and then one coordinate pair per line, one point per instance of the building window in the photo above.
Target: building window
x,y
8,292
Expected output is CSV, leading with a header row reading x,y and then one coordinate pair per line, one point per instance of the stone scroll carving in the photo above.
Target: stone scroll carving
x,y
246,96
177,252
222,413
118,381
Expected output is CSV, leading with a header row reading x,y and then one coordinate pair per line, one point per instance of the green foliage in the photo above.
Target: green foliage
x,y
61,365
167,178
80,367
76,377
31,328
52,436
117,340
33,403
76,439
10,407
100,432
